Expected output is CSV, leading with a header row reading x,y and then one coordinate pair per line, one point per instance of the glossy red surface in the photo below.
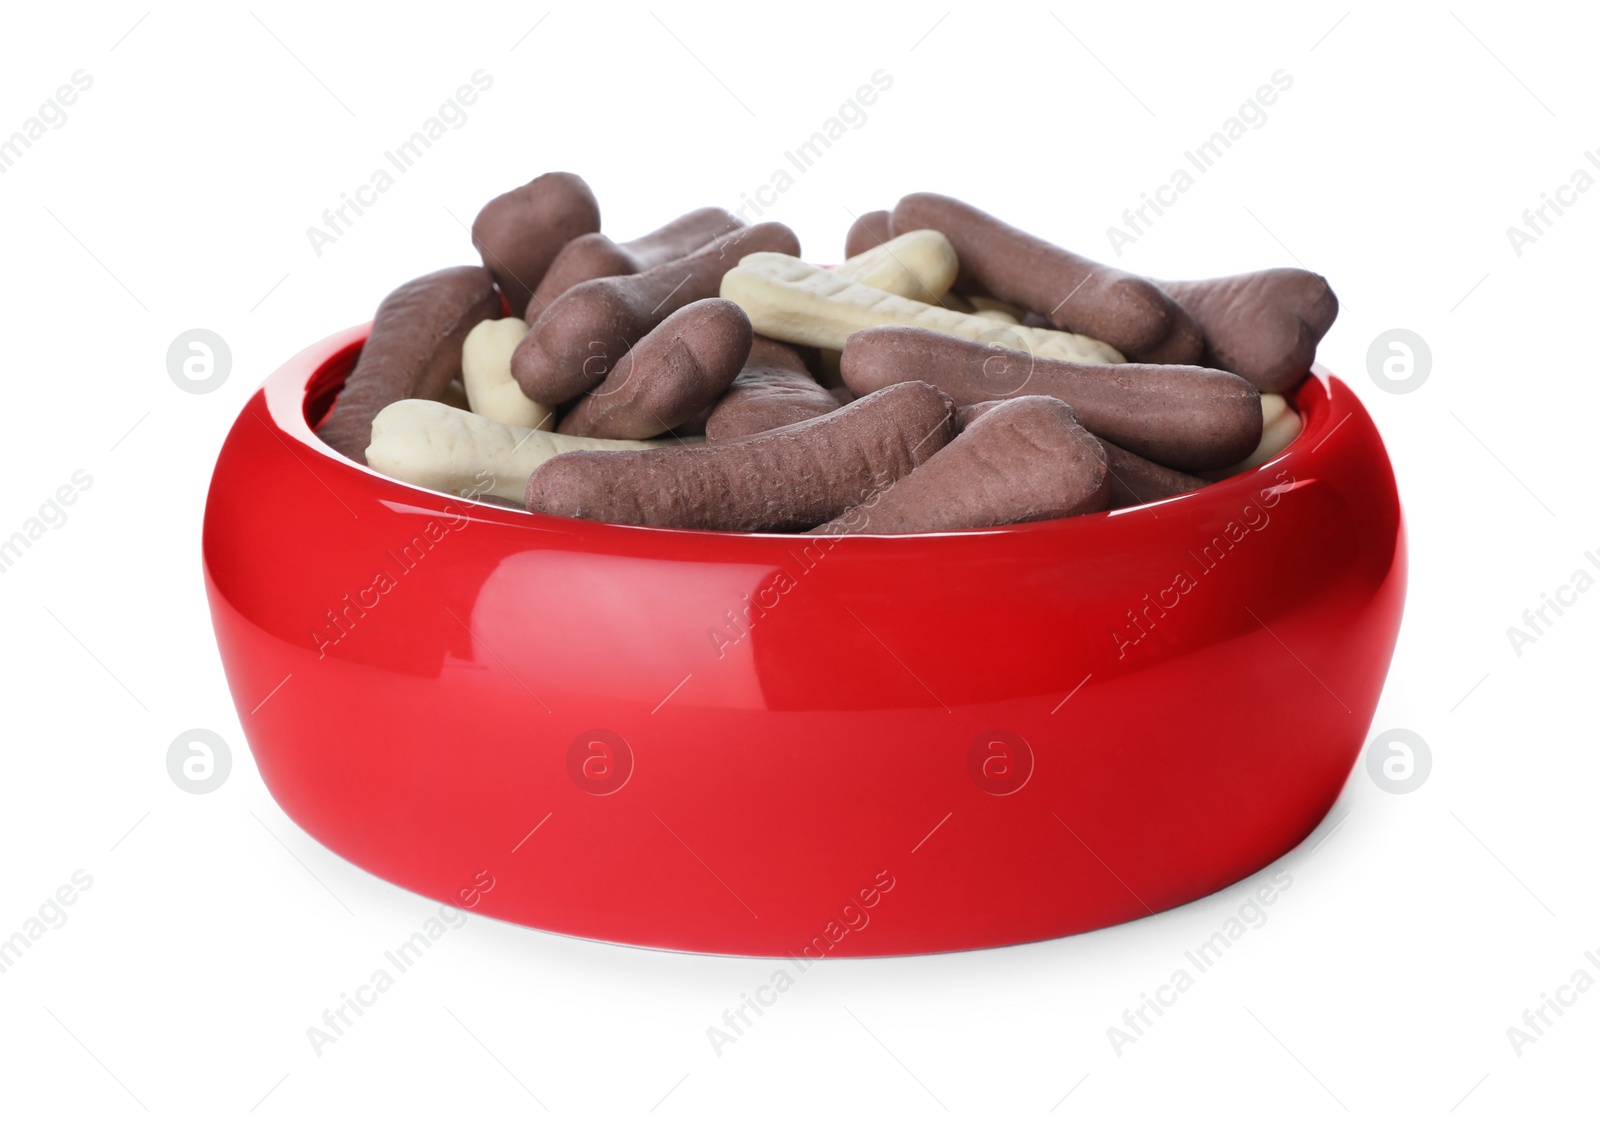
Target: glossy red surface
x,y
770,745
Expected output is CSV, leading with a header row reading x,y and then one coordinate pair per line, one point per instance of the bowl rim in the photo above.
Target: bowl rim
x,y
288,394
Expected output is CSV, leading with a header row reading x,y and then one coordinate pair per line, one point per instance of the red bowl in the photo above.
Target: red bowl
x,y
772,745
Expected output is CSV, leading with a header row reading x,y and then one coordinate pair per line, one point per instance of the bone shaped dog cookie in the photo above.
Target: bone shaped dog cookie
x,y
790,300
920,264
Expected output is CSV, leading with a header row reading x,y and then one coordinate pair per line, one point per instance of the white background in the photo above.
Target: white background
x,y
177,195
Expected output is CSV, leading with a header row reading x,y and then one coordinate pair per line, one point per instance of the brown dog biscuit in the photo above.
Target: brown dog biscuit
x,y
519,233
869,230
1185,345
1023,460
695,426
594,255
1134,480
972,411
413,350
1075,294
773,390
784,480
681,367
575,343
1263,326
1184,417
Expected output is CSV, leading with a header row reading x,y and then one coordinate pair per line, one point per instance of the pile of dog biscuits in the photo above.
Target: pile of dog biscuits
x,y
953,372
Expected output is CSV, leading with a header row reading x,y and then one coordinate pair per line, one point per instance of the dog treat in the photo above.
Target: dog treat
x,y
679,369
784,480
998,315
796,302
576,342
773,390
1280,425
972,411
435,446
519,233
1075,294
1264,326
990,305
1184,345
694,428
826,368
1023,460
920,265
1183,417
952,372
869,230
589,256
1134,480
414,350
486,376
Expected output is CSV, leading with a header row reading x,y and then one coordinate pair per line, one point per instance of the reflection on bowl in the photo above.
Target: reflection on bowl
x,y
778,745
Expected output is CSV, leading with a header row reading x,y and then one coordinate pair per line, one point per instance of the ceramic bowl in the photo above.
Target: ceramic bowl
x,y
782,746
